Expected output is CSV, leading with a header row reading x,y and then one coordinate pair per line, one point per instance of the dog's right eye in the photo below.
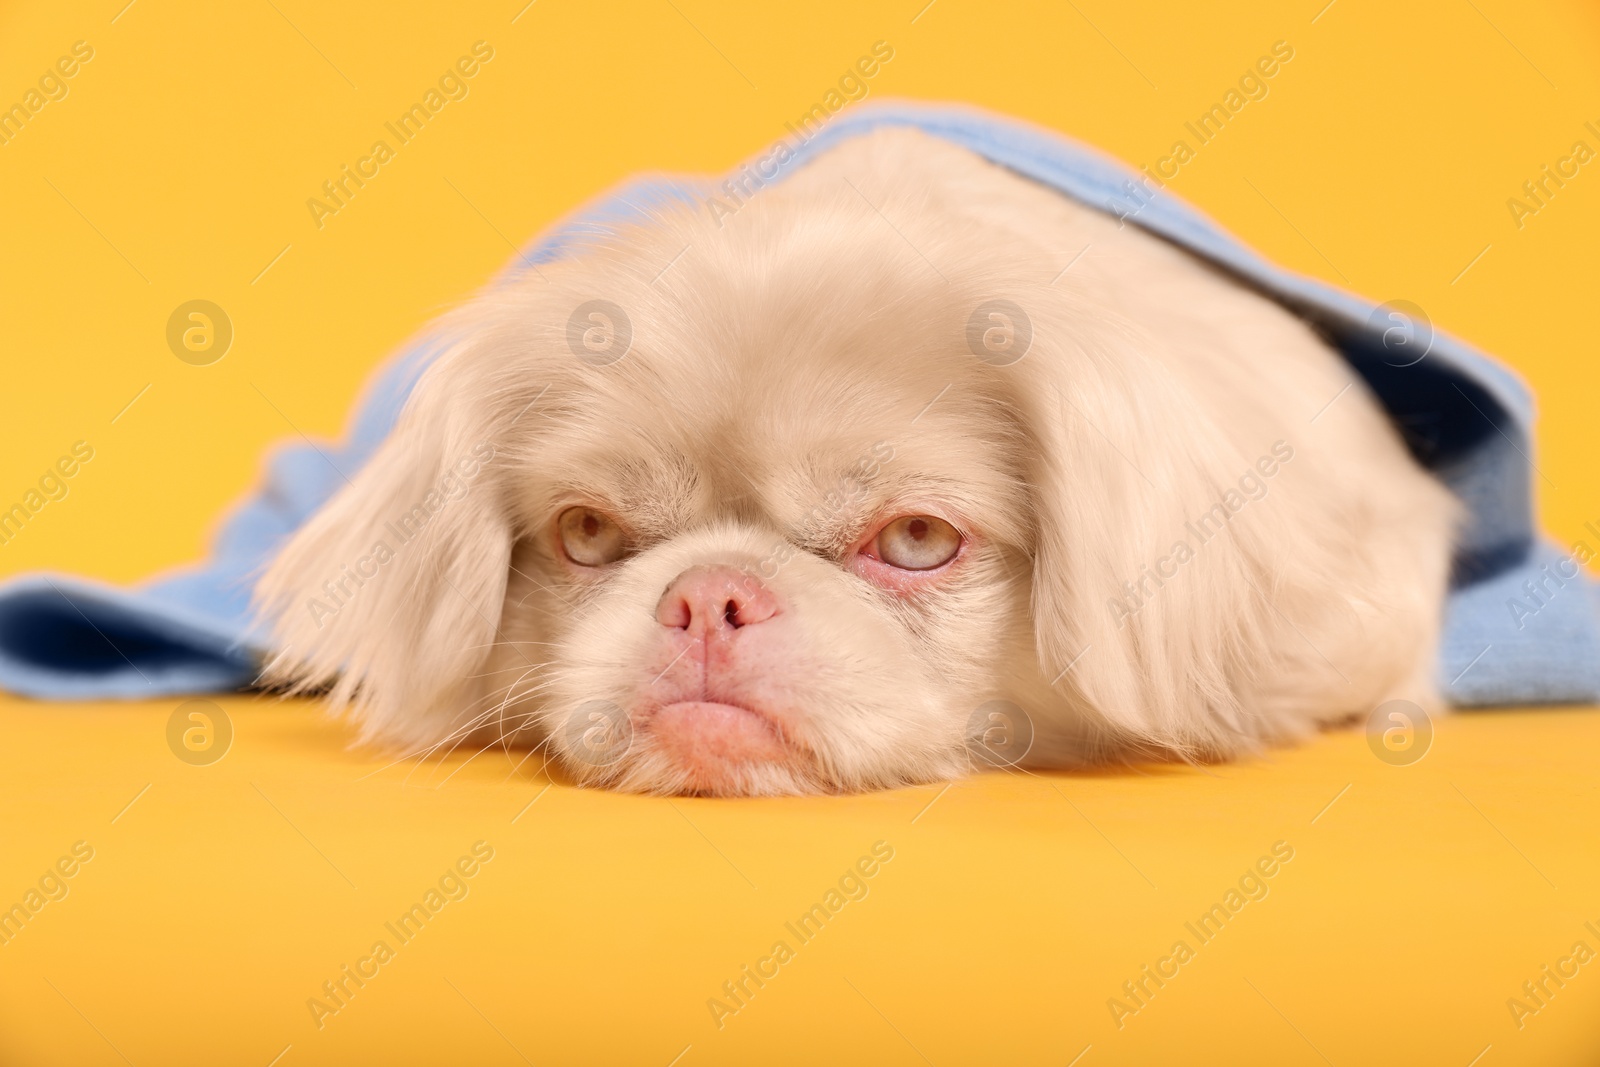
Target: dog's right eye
x,y
918,543
589,538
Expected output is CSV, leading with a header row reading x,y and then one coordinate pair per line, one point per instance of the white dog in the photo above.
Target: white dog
x,y
857,483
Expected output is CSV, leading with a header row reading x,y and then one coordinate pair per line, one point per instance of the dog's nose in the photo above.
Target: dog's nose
x,y
709,598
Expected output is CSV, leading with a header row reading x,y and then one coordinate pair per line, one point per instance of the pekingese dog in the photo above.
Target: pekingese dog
x,y
860,487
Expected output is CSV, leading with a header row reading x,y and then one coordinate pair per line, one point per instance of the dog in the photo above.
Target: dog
x,y
860,484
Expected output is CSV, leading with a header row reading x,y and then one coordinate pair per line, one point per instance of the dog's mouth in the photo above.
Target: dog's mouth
x,y
706,734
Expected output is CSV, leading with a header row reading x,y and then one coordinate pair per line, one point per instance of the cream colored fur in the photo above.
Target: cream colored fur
x,y
824,319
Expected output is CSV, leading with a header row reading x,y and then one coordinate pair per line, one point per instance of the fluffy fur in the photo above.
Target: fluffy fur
x,y
775,360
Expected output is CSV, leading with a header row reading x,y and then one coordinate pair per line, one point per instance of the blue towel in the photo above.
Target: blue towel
x,y
1522,625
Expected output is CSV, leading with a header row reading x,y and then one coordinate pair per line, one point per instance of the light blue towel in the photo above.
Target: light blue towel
x,y
1466,417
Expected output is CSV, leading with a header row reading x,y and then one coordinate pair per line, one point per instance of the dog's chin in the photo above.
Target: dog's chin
x,y
715,734
713,748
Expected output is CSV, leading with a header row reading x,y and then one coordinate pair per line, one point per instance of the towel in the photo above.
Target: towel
x,y
1522,624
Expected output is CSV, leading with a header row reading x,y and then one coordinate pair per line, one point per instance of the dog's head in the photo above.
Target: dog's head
x,y
776,504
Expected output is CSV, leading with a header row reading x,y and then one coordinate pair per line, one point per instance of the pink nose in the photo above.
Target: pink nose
x,y
713,598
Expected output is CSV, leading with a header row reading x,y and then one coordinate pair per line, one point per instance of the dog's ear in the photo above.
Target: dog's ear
x,y
1146,601
393,591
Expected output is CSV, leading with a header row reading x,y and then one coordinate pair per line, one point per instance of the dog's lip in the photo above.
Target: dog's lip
x,y
743,709
742,713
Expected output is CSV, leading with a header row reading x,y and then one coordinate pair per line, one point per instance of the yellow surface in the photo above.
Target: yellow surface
x,y
177,168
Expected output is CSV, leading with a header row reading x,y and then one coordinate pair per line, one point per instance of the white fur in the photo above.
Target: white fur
x,y
826,317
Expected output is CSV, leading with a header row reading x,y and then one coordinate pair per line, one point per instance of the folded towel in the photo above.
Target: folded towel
x,y
1466,418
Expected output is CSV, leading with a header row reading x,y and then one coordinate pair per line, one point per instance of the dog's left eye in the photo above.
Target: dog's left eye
x,y
918,543
589,538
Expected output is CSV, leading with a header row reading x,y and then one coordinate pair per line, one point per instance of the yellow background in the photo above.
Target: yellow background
x,y
178,168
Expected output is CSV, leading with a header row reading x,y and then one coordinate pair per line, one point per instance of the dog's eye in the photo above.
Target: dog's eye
x,y
589,538
918,543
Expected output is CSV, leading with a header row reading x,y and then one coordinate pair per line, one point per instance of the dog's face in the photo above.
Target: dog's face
x,y
764,559
781,504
